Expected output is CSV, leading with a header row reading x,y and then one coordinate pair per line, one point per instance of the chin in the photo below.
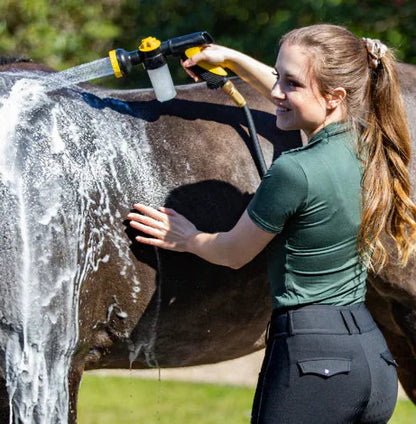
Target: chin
x,y
286,127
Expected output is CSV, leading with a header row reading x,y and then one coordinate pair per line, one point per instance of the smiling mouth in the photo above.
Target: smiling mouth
x,y
282,109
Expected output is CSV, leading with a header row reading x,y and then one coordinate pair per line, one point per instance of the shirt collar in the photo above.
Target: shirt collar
x,y
335,128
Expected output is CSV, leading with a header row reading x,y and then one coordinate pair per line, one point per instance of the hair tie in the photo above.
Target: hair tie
x,y
376,51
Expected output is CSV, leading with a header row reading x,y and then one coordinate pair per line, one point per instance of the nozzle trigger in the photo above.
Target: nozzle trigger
x,y
213,75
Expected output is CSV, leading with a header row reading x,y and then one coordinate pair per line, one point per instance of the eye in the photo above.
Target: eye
x,y
276,74
293,83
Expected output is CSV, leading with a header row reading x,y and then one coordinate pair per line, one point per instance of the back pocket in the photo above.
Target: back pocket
x,y
325,367
388,357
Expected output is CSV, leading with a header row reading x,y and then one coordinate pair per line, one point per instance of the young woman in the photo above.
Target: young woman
x,y
322,210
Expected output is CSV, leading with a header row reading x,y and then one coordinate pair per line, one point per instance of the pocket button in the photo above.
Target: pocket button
x,y
325,367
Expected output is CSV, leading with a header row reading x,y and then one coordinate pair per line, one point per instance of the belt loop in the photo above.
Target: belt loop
x,y
267,336
346,316
290,326
355,319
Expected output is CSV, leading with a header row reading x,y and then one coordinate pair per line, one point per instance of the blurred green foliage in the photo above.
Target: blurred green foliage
x,y
64,33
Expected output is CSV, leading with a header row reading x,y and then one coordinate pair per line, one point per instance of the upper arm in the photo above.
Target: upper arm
x,y
247,241
282,193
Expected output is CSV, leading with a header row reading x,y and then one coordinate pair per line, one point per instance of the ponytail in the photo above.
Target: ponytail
x,y
385,148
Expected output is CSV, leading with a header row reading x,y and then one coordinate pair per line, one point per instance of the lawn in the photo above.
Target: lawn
x,y
121,400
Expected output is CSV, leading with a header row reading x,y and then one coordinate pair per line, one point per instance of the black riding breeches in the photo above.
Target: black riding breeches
x,y
325,365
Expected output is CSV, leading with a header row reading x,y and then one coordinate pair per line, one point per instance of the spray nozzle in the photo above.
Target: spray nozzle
x,y
152,53
122,61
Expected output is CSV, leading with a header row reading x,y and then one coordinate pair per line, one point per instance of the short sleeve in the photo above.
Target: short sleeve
x,y
281,194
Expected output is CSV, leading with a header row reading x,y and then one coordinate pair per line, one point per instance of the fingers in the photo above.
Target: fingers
x,y
193,60
168,211
137,219
166,228
153,223
152,228
152,242
148,229
152,212
188,71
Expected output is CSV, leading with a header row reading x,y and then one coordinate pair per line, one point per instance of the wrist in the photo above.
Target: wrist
x,y
192,241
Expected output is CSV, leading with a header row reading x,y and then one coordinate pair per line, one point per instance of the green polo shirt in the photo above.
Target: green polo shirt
x,y
311,197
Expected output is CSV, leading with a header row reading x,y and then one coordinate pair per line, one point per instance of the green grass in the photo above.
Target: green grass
x,y
405,413
121,400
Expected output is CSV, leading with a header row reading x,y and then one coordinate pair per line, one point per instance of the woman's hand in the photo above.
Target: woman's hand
x,y
167,228
211,53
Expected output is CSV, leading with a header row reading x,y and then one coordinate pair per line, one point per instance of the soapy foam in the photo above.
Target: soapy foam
x,y
60,172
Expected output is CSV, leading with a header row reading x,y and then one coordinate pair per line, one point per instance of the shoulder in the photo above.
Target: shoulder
x,y
287,172
287,168
282,192
286,182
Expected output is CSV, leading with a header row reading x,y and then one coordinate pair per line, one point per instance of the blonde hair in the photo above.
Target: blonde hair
x,y
374,106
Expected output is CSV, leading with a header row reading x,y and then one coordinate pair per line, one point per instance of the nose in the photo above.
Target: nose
x,y
277,92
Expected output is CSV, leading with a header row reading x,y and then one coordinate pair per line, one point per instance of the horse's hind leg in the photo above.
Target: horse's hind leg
x,y
393,309
402,352
4,402
406,348
74,379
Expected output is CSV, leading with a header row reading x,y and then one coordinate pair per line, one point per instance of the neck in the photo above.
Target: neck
x,y
334,115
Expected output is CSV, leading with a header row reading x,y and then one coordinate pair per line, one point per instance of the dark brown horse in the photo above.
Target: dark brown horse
x,y
72,163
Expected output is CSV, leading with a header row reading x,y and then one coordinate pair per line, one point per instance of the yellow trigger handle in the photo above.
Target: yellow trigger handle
x,y
218,70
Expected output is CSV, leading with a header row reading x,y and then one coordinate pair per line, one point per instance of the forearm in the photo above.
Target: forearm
x,y
169,230
257,74
215,248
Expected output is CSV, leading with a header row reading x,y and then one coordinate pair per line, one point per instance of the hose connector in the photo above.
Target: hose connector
x,y
229,88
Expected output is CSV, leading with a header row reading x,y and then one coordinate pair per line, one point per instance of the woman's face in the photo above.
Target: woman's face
x,y
295,93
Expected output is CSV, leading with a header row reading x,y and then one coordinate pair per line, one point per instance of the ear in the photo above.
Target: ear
x,y
336,98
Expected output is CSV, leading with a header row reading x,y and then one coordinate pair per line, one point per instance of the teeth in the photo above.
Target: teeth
x,y
282,109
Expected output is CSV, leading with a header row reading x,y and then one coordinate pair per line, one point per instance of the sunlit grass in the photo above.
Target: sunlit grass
x,y
405,413
122,400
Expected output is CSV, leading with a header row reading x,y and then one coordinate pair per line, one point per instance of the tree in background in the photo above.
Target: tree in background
x,y
64,33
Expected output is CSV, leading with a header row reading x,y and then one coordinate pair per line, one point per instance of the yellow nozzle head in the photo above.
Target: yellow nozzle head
x,y
114,63
218,70
148,44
